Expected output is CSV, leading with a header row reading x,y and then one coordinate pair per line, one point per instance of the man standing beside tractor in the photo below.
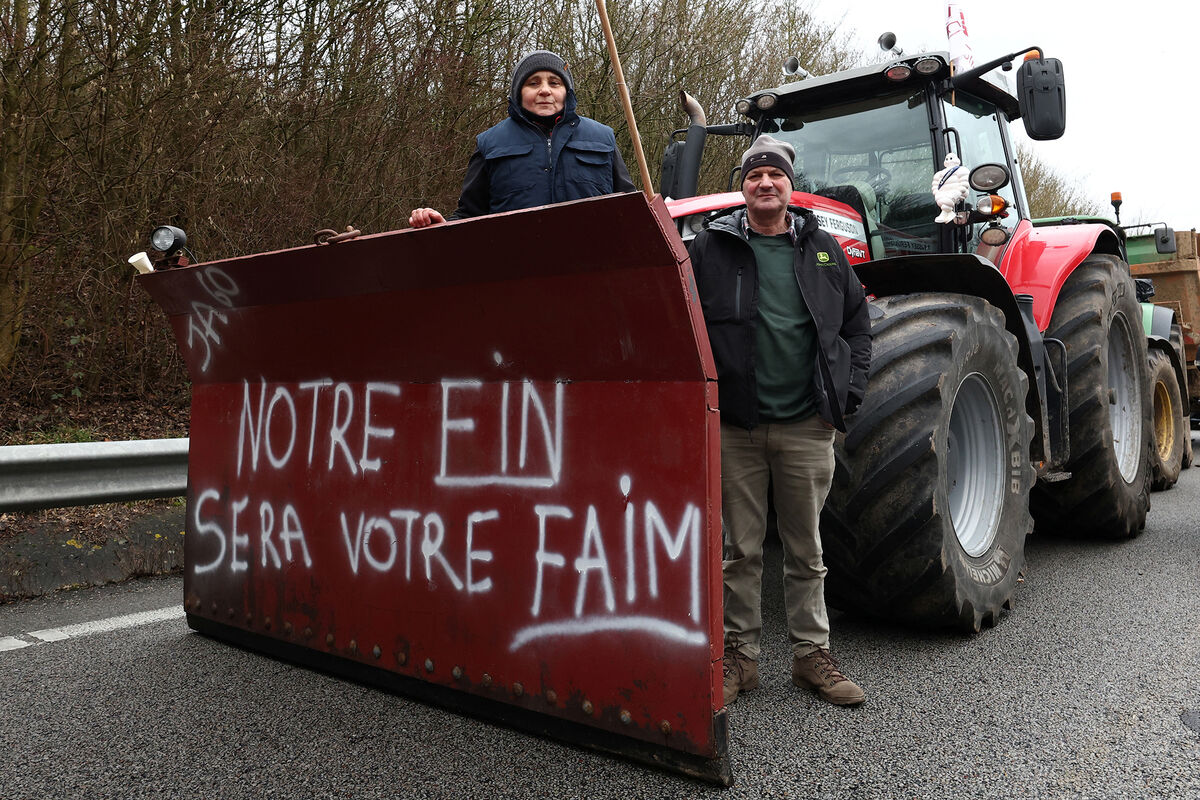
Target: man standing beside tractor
x,y
790,335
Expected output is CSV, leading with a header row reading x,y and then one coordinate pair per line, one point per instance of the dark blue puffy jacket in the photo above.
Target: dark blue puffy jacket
x,y
516,165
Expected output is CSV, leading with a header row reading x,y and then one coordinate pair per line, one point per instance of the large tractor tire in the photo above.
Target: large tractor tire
x,y
1170,423
1107,493
927,517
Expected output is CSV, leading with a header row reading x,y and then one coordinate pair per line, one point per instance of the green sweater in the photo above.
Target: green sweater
x,y
785,335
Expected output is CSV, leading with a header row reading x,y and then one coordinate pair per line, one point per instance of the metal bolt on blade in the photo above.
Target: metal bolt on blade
x,y
401,658
665,727
429,665
626,717
457,672
588,708
329,639
487,679
551,696
518,689
377,651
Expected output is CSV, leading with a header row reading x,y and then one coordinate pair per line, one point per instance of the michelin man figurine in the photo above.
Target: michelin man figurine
x,y
949,186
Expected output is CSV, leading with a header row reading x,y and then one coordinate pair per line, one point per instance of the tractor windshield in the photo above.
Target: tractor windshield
x,y
977,126
875,155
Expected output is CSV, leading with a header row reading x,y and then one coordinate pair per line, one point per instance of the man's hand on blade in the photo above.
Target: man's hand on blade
x,y
424,217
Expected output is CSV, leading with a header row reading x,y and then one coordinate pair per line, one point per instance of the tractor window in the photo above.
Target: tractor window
x,y
978,125
875,155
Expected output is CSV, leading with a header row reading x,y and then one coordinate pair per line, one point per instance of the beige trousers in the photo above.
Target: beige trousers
x,y
798,458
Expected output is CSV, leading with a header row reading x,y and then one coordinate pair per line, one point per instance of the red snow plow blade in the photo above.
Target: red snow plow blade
x,y
476,463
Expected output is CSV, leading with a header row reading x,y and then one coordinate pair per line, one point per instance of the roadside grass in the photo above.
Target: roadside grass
x,y
58,433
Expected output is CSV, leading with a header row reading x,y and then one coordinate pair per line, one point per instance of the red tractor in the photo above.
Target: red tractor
x,y
1009,381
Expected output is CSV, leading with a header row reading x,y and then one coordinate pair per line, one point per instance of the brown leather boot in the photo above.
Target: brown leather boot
x,y
741,674
819,671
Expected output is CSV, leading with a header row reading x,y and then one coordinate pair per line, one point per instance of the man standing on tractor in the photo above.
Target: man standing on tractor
x,y
788,325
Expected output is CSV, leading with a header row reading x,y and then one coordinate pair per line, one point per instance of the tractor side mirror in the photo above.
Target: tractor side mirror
x,y
1041,93
670,168
1164,239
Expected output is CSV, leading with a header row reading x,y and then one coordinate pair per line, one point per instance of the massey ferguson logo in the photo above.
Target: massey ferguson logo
x,y
841,226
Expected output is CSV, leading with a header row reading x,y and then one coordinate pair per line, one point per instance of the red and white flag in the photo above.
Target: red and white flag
x,y
961,57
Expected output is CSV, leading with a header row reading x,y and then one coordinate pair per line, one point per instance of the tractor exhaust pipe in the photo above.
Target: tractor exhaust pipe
x,y
693,108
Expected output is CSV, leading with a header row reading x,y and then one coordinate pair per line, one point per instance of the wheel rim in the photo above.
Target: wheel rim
x,y
1124,400
975,465
1164,421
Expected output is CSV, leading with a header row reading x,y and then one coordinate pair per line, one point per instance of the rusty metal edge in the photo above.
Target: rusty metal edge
x,y
717,770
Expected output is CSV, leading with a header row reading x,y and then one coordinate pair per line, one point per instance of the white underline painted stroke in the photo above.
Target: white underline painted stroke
x,y
588,625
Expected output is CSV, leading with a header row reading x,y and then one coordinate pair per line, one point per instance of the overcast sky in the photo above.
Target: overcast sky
x,y
1133,105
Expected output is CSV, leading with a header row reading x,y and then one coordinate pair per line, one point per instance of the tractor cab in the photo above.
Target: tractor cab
x,y
874,137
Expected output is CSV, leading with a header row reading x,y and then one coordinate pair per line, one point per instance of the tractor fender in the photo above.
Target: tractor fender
x,y
1157,320
1154,342
1038,260
969,274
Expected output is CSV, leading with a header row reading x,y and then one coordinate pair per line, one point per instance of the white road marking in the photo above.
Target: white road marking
x,y
90,628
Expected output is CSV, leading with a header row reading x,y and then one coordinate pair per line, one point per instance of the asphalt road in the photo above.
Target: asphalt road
x,y
1088,689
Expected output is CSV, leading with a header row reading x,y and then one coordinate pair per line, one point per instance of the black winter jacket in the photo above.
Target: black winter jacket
x,y
727,279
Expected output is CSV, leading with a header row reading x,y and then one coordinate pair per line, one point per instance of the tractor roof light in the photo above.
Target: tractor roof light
x,y
766,101
928,65
743,106
899,71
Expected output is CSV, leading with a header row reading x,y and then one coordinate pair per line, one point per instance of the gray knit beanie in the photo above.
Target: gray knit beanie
x,y
768,151
534,62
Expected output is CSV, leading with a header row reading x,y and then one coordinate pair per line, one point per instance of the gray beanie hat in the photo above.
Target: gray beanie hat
x,y
534,62
768,151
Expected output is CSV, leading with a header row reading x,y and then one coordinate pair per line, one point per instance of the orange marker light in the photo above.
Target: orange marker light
x,y
1116,198
991,205
1032,54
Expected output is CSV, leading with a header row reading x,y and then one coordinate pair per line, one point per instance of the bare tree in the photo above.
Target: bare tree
x,y
1051,194
252,124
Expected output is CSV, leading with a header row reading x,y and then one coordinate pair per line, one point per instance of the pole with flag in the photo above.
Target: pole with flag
x,y
961,57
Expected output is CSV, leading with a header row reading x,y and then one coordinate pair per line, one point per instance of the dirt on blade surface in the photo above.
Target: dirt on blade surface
x,y
94,421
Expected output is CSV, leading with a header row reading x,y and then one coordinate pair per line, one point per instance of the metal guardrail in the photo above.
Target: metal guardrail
x,y
35,476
